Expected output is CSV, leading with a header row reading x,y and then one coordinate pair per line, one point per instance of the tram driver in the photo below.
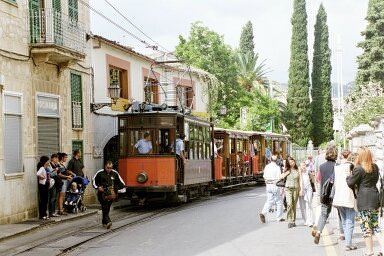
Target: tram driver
x,y
144,146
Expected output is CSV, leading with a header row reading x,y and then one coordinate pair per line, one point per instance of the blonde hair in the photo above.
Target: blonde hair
x,y
364,158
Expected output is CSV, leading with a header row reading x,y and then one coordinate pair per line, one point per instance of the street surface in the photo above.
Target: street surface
x,y
221,225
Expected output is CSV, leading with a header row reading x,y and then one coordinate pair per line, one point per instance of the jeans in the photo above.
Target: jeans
x,y
306,210
52,200
348,221
292,195
273,197
325,211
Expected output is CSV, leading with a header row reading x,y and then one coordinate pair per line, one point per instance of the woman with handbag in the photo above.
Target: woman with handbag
x,y
365,176
107,182
292,189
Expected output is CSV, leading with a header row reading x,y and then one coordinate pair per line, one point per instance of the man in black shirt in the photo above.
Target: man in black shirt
x,y
75,165
107,182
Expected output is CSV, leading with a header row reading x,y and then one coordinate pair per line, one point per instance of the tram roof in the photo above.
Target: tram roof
x,y
241,133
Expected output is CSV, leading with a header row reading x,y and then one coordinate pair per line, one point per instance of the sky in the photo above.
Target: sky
x,y
164,20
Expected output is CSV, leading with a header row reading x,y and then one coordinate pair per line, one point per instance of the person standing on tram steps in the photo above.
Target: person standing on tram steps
x,y
271,175
180,152
75,166
108,183
144,146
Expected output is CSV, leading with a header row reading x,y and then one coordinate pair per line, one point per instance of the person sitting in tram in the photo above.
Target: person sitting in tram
x,y
144,146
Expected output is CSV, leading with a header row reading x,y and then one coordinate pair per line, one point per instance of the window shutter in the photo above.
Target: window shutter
x,y
77,101
48,136
12,144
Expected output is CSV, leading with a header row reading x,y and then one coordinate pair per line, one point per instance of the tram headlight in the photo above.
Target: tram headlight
x,y
142,177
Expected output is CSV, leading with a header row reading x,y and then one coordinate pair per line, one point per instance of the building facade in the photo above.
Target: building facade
x,y
141,79
45,81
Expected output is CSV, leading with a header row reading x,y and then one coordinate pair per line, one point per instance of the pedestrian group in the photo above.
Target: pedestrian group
x,y
350,185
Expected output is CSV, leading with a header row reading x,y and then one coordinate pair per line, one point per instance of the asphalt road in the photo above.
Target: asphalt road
x,y
221,225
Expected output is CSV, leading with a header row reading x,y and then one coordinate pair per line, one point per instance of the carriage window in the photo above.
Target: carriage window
x,y
166,139
123,144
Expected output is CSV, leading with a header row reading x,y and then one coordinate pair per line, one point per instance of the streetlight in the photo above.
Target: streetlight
x,y
114,93
223,110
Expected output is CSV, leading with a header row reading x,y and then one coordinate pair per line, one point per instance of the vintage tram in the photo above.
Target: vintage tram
x,y
216,158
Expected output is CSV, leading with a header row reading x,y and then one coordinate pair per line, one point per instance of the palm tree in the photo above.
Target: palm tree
x,y
250,71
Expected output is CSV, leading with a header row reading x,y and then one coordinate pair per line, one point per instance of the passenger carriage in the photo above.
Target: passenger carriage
x,y
156,175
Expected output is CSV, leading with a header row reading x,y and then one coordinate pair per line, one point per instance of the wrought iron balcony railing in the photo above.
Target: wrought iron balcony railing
x,y
52,28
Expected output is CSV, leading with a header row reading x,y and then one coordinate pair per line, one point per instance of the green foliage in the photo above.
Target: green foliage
x,y
249,71
246,40
322,114
371,61
206,49
298,115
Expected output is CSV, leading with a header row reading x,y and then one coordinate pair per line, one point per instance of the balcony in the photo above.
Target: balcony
x,y
55,37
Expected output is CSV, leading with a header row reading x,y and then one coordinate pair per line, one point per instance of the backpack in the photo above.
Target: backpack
x,y
328,191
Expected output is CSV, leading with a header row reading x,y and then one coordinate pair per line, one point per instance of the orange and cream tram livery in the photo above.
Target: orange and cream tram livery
x,y
215,158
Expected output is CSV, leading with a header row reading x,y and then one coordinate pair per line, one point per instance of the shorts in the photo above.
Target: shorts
x,y
369,222
64,188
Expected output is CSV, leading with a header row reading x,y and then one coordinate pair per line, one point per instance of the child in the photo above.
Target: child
x,y
72,195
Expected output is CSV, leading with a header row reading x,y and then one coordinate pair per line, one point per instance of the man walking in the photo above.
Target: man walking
x,y
107,181
271,175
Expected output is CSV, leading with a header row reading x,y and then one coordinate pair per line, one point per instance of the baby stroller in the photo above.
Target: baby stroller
x,y
75,195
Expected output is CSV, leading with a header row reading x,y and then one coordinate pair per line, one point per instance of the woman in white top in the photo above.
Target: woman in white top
x,y
305,199
43,186
344,199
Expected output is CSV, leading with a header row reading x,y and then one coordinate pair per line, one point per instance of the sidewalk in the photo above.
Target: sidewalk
x,y
8,231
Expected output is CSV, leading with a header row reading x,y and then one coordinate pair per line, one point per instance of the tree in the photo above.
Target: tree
x,y
366,99
206,49
246,39
249,71
322,114
298,115
371,61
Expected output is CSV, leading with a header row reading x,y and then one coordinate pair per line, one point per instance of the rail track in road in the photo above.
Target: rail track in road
x,y
64,238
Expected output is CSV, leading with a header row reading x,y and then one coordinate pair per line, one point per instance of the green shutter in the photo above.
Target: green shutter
x,y
77,101
57,22
34,26
73,11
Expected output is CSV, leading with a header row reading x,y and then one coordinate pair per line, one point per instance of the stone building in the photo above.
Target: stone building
x,y
44,93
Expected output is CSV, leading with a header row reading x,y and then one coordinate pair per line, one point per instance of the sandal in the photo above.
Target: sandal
x,y
350,247
369,254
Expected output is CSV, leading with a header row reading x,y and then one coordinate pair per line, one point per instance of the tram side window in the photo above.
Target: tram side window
x,y
191,143
123,143
166,138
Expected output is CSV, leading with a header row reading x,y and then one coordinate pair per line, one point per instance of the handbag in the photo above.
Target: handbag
x,y
51,183
281,182
109,194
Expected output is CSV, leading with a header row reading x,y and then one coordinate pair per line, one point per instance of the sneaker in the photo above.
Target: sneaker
x,y
54,215
342,237
109,225
317,238
281,220
262,218
290,225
